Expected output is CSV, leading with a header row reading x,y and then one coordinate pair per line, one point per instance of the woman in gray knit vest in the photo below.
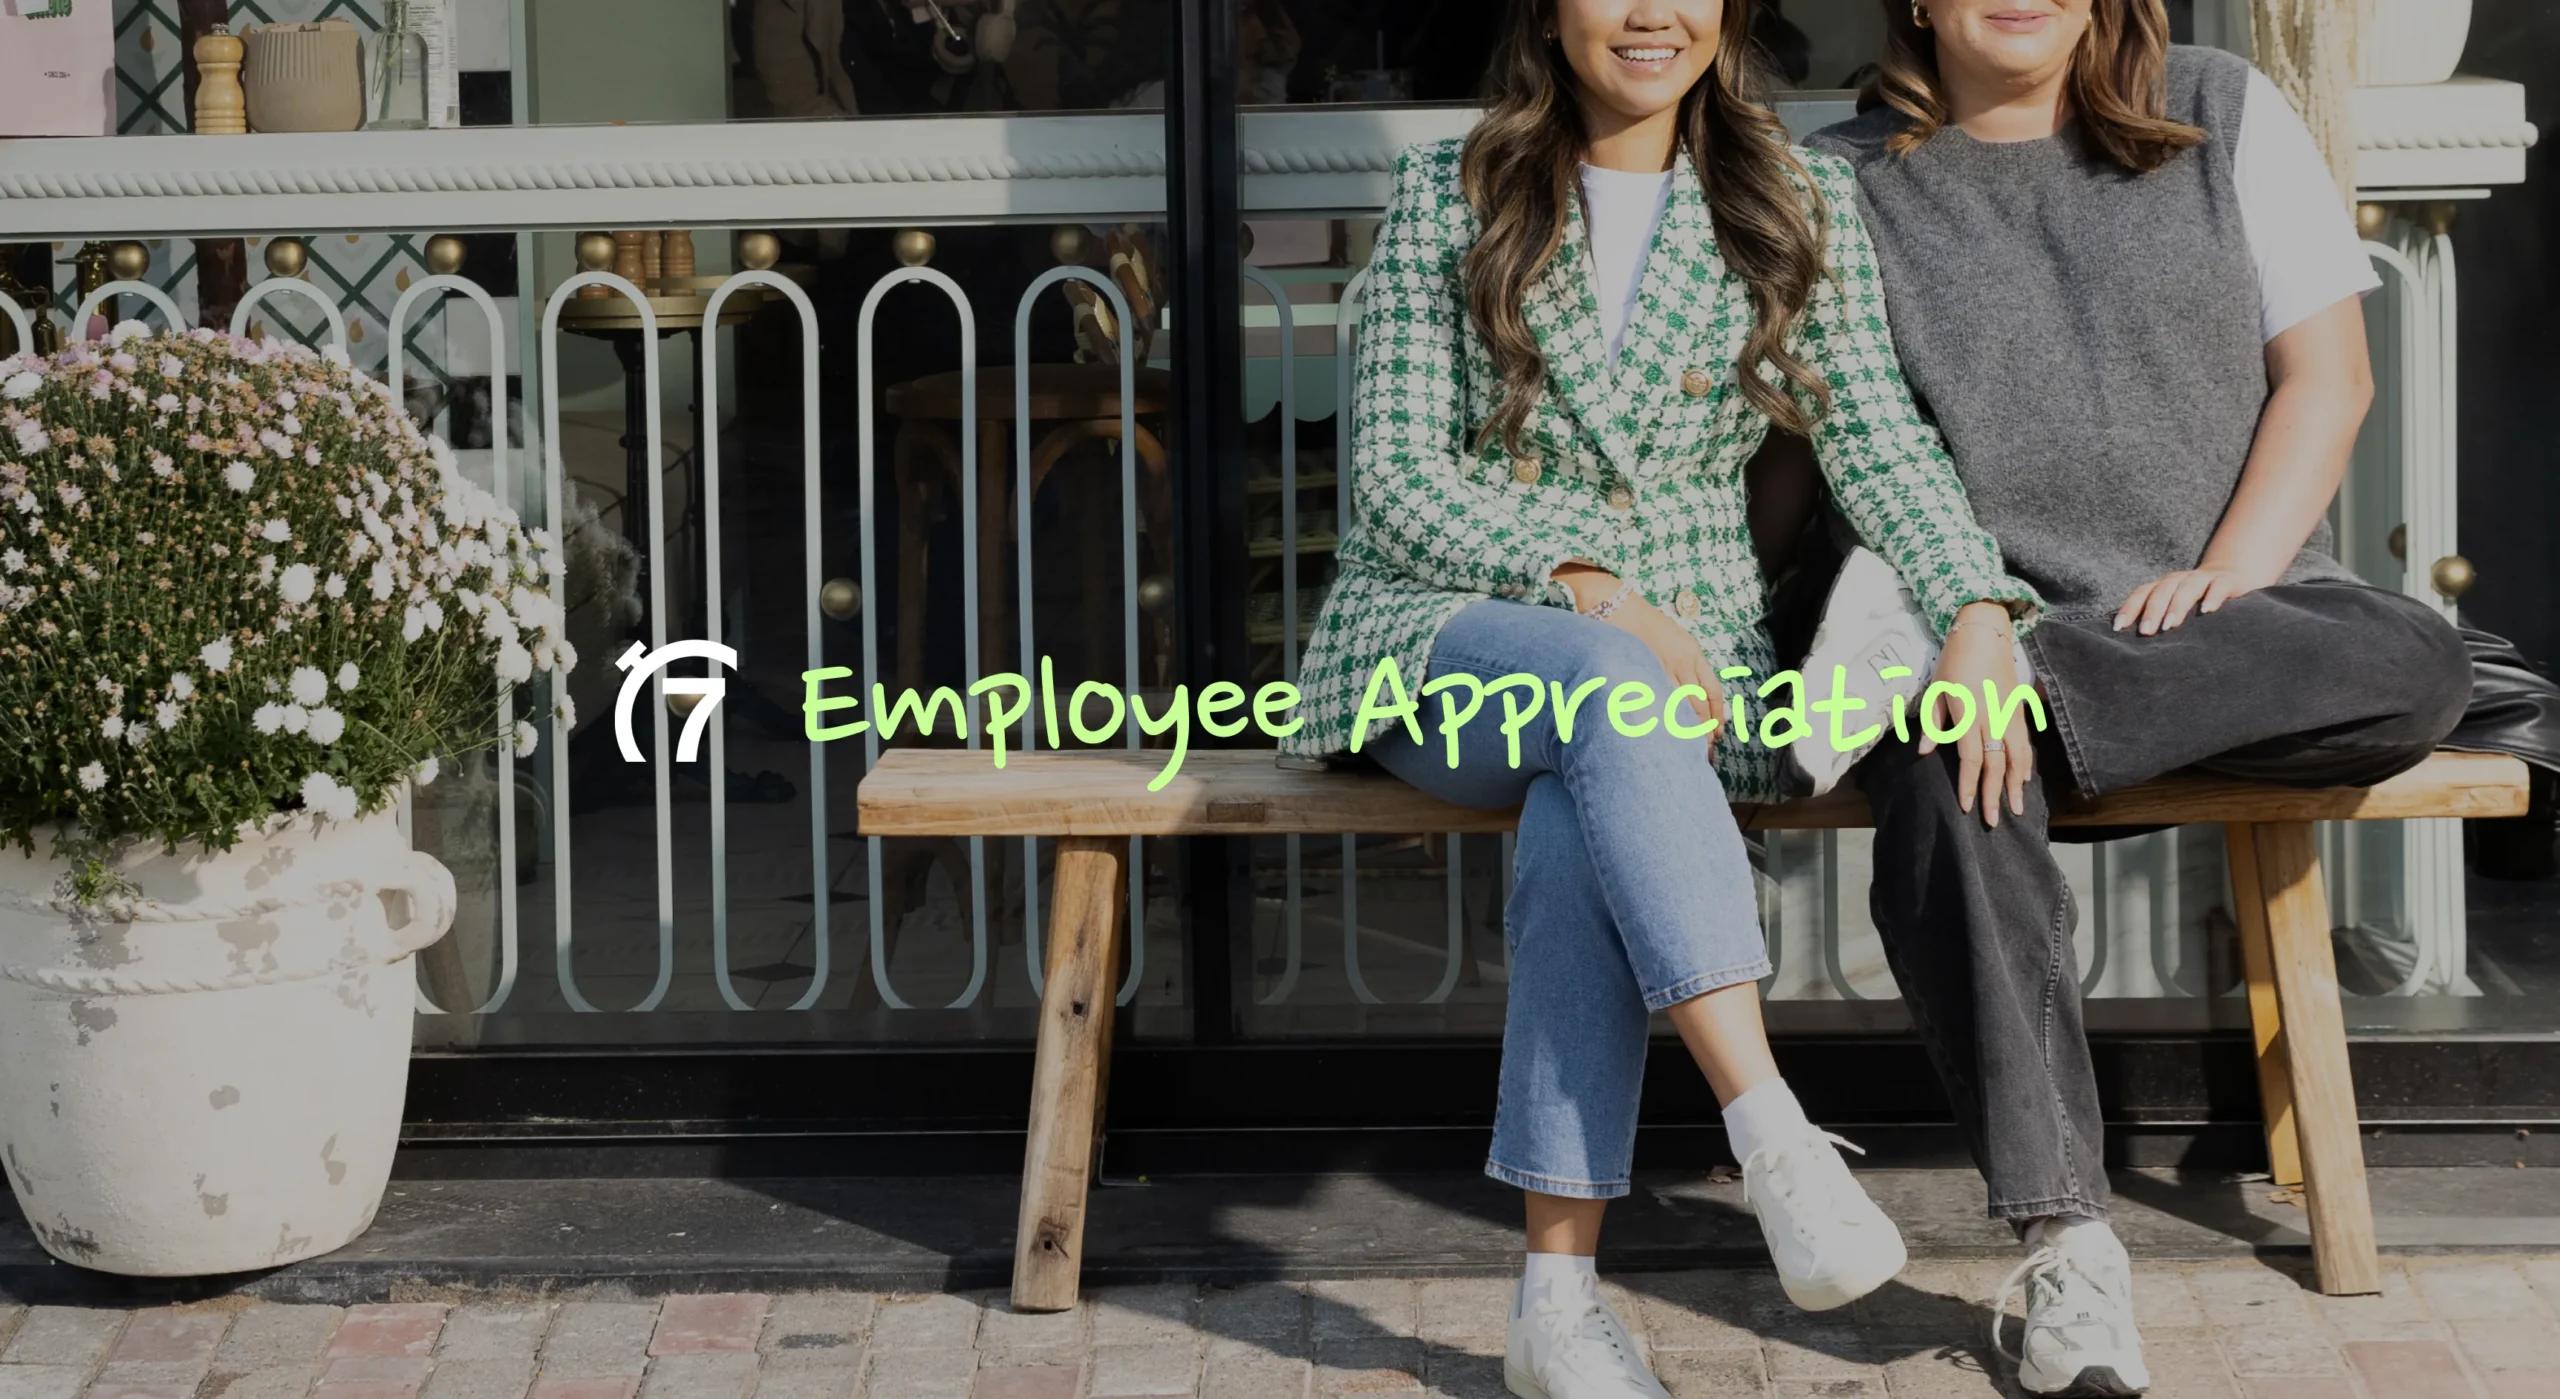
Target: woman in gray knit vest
x,y
2121,279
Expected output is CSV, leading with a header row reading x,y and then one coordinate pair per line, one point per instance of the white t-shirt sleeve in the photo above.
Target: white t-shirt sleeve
x,y
2308,254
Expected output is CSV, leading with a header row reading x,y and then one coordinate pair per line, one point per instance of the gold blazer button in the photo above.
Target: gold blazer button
x,y
1621,498
1697,383
1686,604
1526,470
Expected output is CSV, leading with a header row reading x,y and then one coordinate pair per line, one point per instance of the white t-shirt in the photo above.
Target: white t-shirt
x,y
1625,209
2308,253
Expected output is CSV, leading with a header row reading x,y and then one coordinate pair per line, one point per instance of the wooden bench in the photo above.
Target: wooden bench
x,y
1093,801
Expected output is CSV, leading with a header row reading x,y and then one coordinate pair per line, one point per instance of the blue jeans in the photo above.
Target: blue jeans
x,y
1630,891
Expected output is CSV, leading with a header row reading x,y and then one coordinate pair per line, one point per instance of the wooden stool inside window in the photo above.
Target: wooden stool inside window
x,y
1071,406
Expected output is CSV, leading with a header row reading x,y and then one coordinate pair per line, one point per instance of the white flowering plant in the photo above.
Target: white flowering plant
x,y
237,580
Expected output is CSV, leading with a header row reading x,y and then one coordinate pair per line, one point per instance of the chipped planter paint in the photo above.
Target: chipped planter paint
x,y
207,1076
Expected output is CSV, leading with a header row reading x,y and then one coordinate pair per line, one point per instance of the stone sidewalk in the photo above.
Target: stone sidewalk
x,y
2465,1327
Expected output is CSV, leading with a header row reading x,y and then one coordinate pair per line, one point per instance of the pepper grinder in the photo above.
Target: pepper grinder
x,y
222,105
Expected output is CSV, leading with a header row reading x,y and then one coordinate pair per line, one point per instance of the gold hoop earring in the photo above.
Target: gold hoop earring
x,y
1919,14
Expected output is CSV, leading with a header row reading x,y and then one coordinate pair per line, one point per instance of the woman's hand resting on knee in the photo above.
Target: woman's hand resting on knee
x,y
1593,591
1978,649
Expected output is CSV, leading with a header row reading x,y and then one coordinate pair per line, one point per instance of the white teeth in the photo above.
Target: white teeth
x,y
1648,55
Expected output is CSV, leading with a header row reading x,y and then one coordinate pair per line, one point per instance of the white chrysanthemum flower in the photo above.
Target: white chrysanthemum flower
x,y
381,582
322,795
166,402
296,718
526,738
127,330
71,495
216,655
413,624
327,724
348,675
183,685
21,387
425,776
136,734
515,664
163,466
239,476
296,584
165,714
566,711
267,719
113,728
93,777
171,367
275,531
336,587
309,685
433,611
31,438
12,561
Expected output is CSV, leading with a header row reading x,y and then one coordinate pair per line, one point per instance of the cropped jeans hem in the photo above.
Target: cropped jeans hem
x,y
1556,1185
2020,1211
1691,988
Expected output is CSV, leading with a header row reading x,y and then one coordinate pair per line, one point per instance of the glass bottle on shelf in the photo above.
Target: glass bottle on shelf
x,y
396,71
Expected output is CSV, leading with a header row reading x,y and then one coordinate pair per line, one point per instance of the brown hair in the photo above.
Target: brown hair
x,y
1520,167
2119,83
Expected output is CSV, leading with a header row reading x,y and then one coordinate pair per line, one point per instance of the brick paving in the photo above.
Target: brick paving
x,y
2463,1327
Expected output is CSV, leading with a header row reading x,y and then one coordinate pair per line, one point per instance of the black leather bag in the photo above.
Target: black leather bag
x,y
2515,709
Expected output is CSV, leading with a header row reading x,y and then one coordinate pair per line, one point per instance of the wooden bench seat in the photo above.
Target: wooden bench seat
x,y
1093,801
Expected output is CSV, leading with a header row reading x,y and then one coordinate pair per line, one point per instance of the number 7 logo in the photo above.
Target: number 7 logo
x,y
640,662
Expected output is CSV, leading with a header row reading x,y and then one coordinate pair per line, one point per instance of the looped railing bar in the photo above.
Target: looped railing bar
x,y
503,484
868,514
20,323
1022,487
169,313
274,287
555,475
812,566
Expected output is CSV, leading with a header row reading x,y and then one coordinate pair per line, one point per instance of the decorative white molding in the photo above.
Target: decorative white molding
x,y
1097,168
869,172
2469,131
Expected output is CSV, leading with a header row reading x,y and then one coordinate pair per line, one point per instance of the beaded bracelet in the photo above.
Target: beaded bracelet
x,y
1610,603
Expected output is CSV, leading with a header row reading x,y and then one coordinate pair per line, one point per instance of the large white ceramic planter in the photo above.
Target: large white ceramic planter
x,y
208,1078
2407,42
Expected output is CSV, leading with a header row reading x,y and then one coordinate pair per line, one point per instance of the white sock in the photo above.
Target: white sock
x,y
1766,1116
2080,1236
1544,1270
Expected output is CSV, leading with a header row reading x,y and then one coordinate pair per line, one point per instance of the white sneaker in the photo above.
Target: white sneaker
x,y
2079,1339
1870,624
1830,1242
1567,1344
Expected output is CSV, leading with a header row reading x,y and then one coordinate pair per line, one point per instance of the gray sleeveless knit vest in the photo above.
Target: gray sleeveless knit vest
x,y
2087,339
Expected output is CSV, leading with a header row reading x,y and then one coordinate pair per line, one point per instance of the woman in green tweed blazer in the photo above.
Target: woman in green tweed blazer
x,y
1579,323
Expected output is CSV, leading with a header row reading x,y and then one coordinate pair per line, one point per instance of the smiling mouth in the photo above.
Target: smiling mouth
x,y
1647,58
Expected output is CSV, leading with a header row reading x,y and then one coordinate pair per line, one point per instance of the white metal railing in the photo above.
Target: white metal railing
x,y
1004,168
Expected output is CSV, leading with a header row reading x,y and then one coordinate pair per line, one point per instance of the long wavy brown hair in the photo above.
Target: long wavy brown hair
x,y
2119,83
1521,166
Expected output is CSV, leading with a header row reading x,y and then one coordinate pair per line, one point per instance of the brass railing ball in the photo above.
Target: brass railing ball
x,y
759,251
445,254
288,257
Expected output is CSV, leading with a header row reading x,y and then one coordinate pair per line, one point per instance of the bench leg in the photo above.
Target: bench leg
x,y
1087,917
2310,1101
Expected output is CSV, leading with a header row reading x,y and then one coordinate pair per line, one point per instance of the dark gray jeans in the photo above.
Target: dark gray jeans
x,y
2314,684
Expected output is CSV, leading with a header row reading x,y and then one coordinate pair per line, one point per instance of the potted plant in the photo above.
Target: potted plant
x,y
2405,42
244,603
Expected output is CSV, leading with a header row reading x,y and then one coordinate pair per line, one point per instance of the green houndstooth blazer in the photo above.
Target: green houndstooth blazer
x,y
1638,471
